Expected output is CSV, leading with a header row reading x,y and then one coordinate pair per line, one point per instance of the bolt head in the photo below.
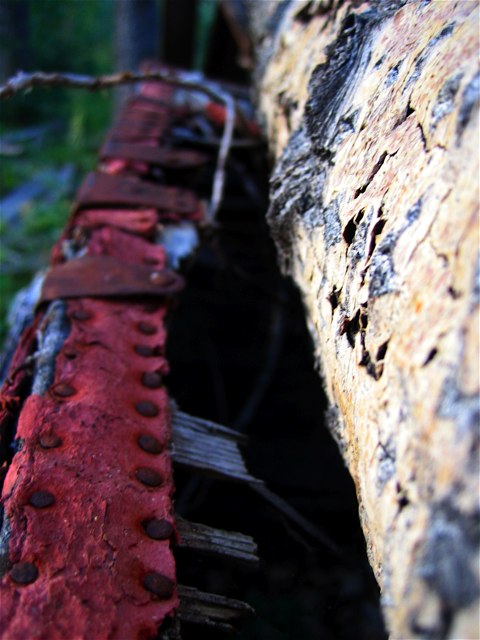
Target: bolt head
x,y
158,584
24,573
149,477
41,499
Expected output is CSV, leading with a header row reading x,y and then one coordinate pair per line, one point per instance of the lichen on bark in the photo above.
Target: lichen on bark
x,y
371,109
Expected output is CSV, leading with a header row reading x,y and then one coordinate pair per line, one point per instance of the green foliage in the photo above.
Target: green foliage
x,y
24,248
205,19
63,35
68,35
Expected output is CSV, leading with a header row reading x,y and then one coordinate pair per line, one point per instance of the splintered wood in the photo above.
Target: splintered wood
x,y
371,110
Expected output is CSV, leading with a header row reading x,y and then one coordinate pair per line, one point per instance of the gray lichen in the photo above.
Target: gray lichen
x,y
445,102
51,336
5,532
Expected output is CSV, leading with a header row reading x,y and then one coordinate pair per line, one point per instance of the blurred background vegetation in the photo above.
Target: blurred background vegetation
x,y
49,138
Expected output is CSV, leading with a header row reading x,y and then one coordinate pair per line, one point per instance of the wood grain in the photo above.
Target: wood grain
x,y
371,111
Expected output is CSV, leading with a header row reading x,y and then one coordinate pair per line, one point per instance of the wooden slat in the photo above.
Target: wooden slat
x,y
209,448
209,609
229,544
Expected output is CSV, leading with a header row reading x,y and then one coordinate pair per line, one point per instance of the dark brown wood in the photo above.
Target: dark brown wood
x,y
230,544
211,610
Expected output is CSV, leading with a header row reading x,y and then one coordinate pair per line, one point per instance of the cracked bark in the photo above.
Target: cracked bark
x,y
371,111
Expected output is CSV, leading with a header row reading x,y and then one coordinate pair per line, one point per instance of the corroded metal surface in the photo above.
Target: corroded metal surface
x,y
85,426
101,189
106,277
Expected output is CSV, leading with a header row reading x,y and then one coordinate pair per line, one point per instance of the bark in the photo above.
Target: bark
x,y
371,111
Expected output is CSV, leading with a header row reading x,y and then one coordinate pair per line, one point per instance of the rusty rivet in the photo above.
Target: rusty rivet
x,y
144,350
41,499
24,572
81,314
148,476
149,444
147,409
158,529
152,379
49,441
158,584
63,390
147,328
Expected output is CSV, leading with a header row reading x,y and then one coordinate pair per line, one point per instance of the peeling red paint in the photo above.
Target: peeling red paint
x,y
89,546
94,471
88,496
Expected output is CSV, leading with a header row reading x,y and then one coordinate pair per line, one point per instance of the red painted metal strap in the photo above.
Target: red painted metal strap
x,y
162,156
88,497
104,276
85,550
141,222
101,189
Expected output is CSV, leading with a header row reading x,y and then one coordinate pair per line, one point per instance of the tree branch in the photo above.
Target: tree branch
x,y
25,81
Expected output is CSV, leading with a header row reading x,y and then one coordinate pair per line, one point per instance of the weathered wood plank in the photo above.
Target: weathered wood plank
x,y
230,544
211,610
208,448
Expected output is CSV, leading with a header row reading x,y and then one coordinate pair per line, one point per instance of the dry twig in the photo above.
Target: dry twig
x,y
25,81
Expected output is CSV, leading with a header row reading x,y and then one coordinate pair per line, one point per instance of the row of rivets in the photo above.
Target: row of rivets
x,y
151,380
157,529
24,573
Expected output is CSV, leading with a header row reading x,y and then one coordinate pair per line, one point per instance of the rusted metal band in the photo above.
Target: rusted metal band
x,y
162,156
106,277
104,190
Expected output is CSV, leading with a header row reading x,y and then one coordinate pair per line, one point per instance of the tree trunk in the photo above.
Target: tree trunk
x,y
371,110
